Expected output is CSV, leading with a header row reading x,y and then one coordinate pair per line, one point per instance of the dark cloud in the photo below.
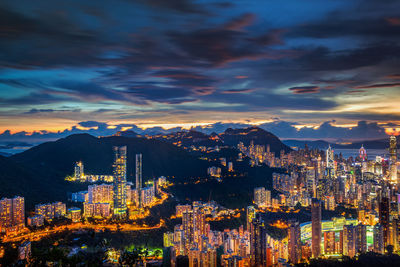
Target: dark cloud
x,y
327,130
304,89
378,85
324,59
91,124
36,98
340,25
238,91
393,76
44,111
184,6
221,45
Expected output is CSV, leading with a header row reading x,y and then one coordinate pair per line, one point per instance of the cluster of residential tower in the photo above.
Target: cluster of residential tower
x,y
311,179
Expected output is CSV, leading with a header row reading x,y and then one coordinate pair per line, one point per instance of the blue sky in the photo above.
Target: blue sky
x,y
184,62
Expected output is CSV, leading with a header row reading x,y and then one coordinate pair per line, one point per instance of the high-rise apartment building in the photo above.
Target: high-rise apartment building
x,y
361,239
12,214
316,228
294,242
349,240
329,242
258,244
120,208
79,173
103,193
51,210
250,215
384,217
259,196
378,239
139,176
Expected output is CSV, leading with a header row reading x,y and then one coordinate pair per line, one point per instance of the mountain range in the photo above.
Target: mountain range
x,y
39,172
327,131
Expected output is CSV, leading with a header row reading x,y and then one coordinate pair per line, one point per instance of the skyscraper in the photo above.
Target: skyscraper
x,y
120,181
251,214
316,229
378,239
259,196
258,244
12,214
330,161
393,159
79,173
384,218
139,176
362,153
361,238
294,244
349,240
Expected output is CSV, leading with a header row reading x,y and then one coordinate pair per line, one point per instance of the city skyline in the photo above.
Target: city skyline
x,y
200,133
184,63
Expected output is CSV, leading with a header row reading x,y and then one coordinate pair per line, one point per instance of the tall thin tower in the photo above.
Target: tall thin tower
x,y
120,180
393,159
139,176
316,229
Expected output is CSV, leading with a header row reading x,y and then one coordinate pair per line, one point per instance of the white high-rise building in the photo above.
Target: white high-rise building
x,y
330,160
79,173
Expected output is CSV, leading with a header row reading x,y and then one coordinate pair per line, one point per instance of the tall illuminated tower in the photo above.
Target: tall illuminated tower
x,y
393,159
294,241
384,218
330,161
120,181
258,242
316,228
362,153
250,215
139,176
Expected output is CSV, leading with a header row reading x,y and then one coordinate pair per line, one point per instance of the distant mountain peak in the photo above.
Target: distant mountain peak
x,y
253,134
128,133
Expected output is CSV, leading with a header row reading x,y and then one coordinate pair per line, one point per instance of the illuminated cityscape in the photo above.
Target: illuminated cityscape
x,y
200,133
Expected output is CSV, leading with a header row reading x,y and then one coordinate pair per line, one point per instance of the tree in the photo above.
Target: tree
x,y
389,249
129,258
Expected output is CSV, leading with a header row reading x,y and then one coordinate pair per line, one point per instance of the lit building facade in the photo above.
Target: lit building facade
x,y
316,227
12,214
120,207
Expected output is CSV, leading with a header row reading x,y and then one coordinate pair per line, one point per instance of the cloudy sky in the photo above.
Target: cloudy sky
x,y
183,62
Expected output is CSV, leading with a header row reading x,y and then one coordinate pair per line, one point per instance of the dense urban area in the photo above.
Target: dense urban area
x,y
319,205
